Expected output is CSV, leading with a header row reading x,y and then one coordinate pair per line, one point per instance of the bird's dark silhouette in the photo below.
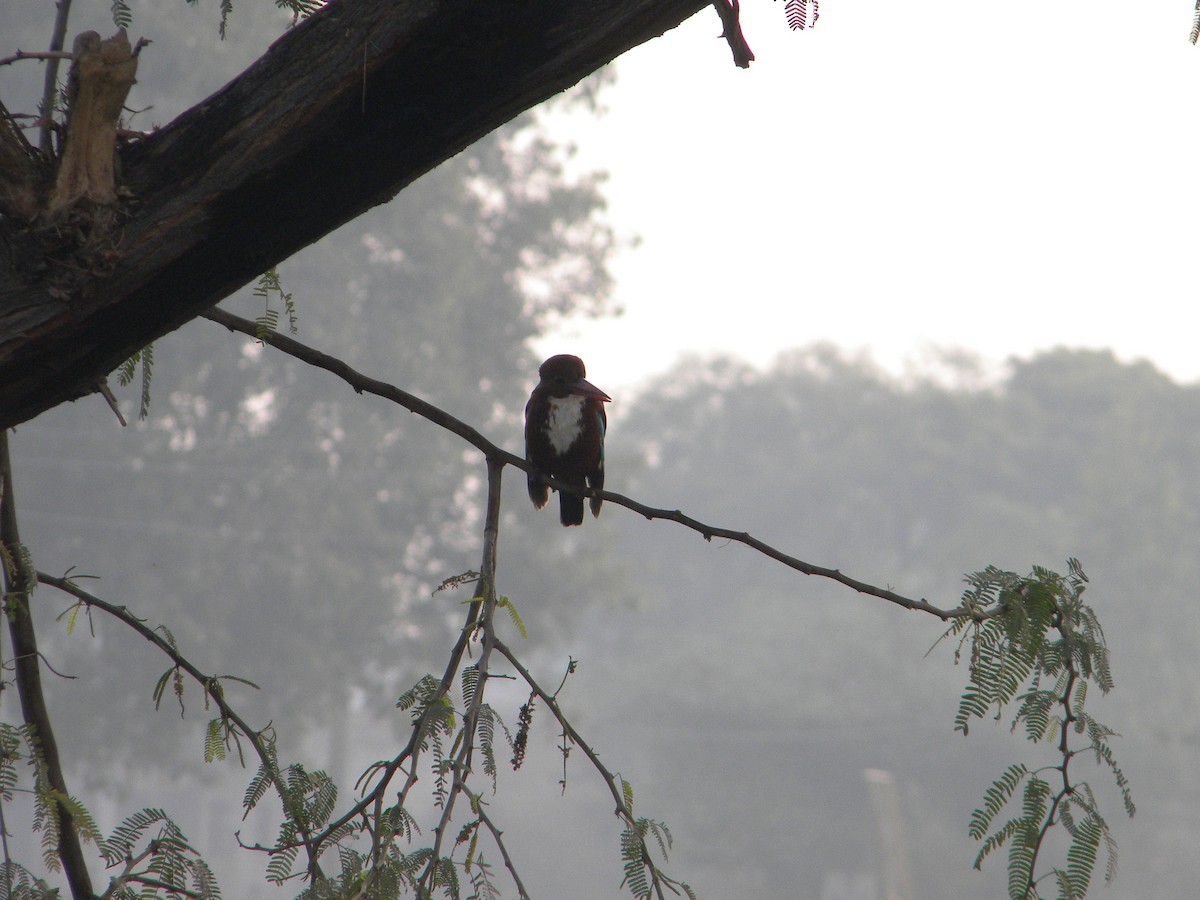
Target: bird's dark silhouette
x,y
565,424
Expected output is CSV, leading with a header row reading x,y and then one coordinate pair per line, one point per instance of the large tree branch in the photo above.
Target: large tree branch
x,y
340,114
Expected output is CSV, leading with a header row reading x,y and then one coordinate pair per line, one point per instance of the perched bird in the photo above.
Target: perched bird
x,y
564,435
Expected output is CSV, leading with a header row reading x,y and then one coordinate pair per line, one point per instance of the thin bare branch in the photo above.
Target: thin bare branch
x,y
411,750
497,836
210,684
34,54
58,38
622,810
365,385
552,704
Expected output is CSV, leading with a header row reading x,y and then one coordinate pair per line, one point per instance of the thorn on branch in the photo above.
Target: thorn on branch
x,y
105,391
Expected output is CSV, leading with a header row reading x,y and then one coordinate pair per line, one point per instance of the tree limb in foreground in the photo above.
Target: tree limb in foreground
x,y
339,115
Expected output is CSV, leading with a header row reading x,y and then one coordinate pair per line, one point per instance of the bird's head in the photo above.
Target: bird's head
x,y
564,374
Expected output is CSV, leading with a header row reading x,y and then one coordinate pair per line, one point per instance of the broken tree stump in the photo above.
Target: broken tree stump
x,y
102,72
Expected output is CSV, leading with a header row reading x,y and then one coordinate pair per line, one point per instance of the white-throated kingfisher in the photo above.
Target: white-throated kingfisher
x,y
564,435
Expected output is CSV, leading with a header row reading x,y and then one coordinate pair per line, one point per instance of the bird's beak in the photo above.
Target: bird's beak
x,y
587,389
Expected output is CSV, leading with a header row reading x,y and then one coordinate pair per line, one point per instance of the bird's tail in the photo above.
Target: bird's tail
x,y
570,508
596,482
539,493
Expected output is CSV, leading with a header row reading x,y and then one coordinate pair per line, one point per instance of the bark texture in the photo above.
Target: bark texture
x,y
338,116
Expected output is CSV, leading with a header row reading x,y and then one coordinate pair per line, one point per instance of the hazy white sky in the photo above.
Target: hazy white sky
x,y
948,173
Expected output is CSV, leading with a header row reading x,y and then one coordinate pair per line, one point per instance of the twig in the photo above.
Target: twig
x,y
211,685
477,801
731,21
487,581
39,54
623,811
50,85
609,778
46,662
105,391
412,749
365,385
131,862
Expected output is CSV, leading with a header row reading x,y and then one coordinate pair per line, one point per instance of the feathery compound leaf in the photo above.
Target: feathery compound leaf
x,y
418,695
128,370
170,857
445,876
996,840
995,798
1035,710
1033,803
972,705
19,561
661,833
257,787
1066,888
22,884
214,741
204,882
311,796
120,843
46,821
508,605
1038,631
147,375
10,753
635,869
481,882
1081,855
269,285
322,798
797,13
81,819
279,869
266,324
1110,845
398,821
487,722
300,8
470,685
1020,863
72,616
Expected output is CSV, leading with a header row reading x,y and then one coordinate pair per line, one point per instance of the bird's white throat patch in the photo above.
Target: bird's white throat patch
x,y
565,422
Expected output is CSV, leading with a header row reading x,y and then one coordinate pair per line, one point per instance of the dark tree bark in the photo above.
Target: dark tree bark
x,y
340,114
